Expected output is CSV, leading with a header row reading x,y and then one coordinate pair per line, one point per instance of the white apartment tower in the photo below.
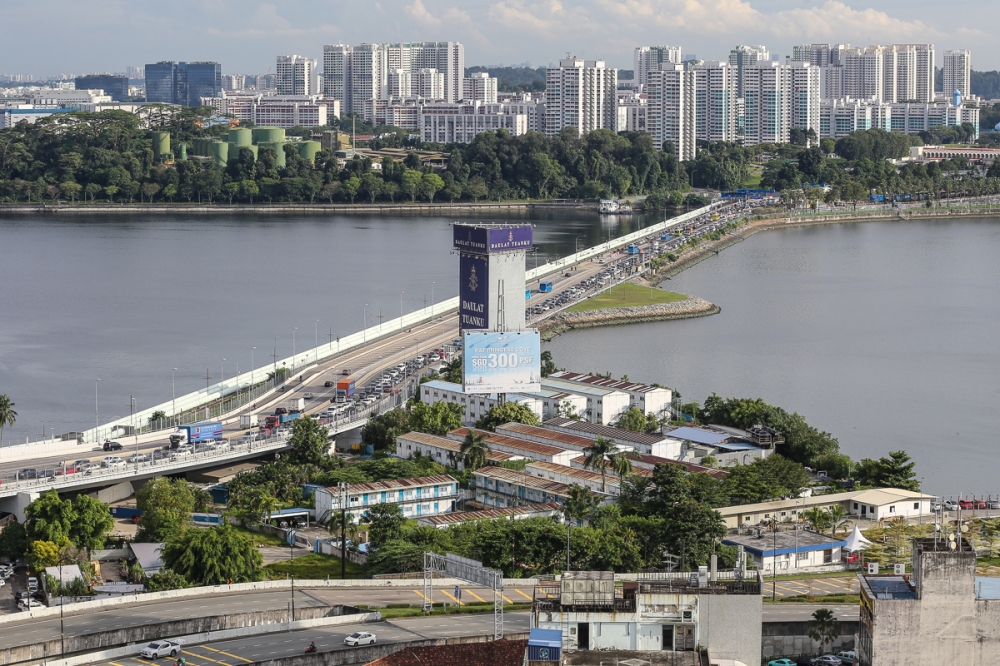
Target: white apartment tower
x,y
746,56
399,83
581,94
672,109
715,85
337,74
864,76
448,58
957,73
778,97
803,84
429,84
649,58
296,75
479,87
368,75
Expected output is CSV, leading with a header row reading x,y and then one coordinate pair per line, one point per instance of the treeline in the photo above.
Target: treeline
x,y
514,79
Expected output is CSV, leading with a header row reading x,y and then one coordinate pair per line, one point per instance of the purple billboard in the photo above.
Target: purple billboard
x,y
473,292
486,240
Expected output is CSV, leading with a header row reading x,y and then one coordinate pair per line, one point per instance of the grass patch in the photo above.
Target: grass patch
x,y
754,180
260,538
416,611
315,567
627,295
818,599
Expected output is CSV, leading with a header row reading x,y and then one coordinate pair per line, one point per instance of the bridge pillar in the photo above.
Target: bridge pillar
x,y
16,503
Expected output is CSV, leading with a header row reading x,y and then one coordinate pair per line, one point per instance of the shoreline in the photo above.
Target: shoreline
x,y
317,208
689,308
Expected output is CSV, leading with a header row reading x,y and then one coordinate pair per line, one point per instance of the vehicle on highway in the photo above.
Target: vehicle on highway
x,y
781,662
46,474
112,462
360,638
32,584
137,458
28,604
327,384
158,649
994,503
308,395
160,454
280,410
827,660
26,474
112,446
181,454
67,469
201,447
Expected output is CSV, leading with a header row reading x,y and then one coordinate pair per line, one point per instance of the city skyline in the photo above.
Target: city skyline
x,y
246,37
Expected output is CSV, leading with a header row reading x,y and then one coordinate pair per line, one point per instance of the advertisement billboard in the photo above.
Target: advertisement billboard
x,y
473,292
486,240
502,362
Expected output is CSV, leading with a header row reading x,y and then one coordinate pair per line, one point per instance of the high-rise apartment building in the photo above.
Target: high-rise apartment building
x,y
113,85
715,85
864,76
337,74
296,75
234,82
183,83
649,58
429,84
957,73
778,97
479,87
368,75
672,109
581,94
746,56
399,83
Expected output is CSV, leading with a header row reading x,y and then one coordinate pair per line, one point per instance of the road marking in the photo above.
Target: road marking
x,y
523,594
452,597
420,594
506,599
234,656
476,595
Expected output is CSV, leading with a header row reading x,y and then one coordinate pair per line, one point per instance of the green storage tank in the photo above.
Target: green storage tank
x,y
308,150
268,135
182,152
279,151
161,144
219,152
234,150
241,136
198,147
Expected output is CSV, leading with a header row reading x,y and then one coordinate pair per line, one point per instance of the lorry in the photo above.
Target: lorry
x,y
345,388
296,405
247,421
196,432
272,421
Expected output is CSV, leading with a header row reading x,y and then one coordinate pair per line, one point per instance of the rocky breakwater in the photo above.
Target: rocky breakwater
x,y
689,308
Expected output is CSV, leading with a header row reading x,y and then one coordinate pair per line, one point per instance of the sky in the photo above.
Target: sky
x,y
51,37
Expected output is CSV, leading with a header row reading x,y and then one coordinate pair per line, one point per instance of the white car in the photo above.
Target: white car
x,y
111,462
137,458
360,638
28,604
158,649
180,454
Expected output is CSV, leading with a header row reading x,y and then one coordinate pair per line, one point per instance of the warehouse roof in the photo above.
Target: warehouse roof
x,y
395,484
512,442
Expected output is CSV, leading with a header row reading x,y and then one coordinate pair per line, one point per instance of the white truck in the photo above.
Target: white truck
x,y
296,405
158,649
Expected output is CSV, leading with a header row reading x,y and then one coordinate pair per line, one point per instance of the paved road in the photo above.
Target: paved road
x,y
88,622
274,646
812,586
792,612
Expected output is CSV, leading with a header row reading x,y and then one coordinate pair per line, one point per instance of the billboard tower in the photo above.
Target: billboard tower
x,y
501,355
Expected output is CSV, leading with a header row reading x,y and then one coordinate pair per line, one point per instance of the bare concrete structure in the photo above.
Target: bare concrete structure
x,y
940,614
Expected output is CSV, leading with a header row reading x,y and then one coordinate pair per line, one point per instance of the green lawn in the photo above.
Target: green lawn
x,y
261,538
314,567
754,180
625,295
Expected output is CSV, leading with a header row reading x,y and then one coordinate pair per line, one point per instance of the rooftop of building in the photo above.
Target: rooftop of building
x,y
781,543
517,478
569,439
639,471
395,484
576,473
608,432
572,387
442,385
606,382
690,467
490,514
699,435
874,497
512,442
488,653
890,587
449,445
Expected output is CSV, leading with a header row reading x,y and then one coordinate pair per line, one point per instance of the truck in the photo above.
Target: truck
x,y
272,421
345,388
196,432
633,249
247,421
296,405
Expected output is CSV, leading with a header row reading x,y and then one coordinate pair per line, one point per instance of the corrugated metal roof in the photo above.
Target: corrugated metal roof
x,y
632,387
698,435
572,387
449,444
569,471
617,434
489,514
517,478
514,443
638,471
547,433
395,484
690,467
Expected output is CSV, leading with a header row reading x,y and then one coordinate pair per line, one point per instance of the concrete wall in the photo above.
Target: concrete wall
x,y
791,639
114,493
729,626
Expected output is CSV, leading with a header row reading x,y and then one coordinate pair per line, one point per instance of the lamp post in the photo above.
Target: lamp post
x,y
293,347
401,309
275,357
774,560
173,394
135,432
97,414
251,372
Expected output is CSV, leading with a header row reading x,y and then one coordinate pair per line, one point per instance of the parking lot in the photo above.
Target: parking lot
x,y
811,587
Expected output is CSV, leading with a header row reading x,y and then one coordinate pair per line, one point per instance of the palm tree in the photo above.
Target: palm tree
x,y
621,465
7,414
817,518
598,455
838,514
824,627
475,449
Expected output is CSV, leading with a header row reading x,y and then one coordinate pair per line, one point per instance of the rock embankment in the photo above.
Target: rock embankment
x,y
686,309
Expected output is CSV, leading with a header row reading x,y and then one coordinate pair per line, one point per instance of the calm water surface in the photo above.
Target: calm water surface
x,y
128,298
883,334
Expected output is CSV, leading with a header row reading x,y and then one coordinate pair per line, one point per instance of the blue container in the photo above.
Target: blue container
x,y
544,645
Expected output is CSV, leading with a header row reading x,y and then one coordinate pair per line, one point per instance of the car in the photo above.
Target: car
x,y
27,474
994,503
32,583
847,656
781,662
46,474
160,454
201,447
158,649
112,446
28,604
346,372
67,469
308,396
827,660
327,384
112,462
360,638
280,410
180,454
137,458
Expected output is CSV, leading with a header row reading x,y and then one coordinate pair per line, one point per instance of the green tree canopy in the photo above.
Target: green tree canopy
x,y
381,431
49,518
894,471
213,556
13,541
436,419
385,524
166,506
91,523
309,441
508,412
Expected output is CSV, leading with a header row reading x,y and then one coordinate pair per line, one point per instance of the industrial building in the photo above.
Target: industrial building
x,y
575,476
423,496
647,399
550,437
604,405
789,550
941,613
441,450
654,444
283,111
728,446
444,521
719,612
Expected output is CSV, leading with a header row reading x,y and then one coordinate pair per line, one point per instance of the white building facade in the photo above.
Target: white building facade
x,y
422,496
296,75
479,87
957,72
672,109
581,94
648,59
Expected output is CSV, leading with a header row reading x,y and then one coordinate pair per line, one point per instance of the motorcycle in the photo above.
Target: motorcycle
x,y
311,649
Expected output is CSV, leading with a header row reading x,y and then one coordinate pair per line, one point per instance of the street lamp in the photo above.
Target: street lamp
x,y
432,299
293,347
401,309
251,371
135,432
275,357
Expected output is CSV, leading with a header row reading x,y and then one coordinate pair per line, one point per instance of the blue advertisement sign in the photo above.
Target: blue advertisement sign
x,y
502,362
473,292
485,240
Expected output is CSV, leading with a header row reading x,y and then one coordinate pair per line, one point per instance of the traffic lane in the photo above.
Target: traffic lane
x,y
414,595
794,612
250,649
93,621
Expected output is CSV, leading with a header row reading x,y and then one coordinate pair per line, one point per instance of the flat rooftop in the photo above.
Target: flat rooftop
x,y
608,432
780,543
890,587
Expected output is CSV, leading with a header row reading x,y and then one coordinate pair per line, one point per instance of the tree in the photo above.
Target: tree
x,y
213,556
330,190
231,189
158,415
548,365
309,442
166,506
411,182
351,186
508,412
166,580
152,189
372,185
475,449
381,431
397,556
896,471
91,523
42,553
71,190
621,464
824,627
690,530
49,518
13,541
436,419
7,414
838,515
476,188
251,504
390,188
854,192
111,191
597,457
385,524
817,518
430,184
